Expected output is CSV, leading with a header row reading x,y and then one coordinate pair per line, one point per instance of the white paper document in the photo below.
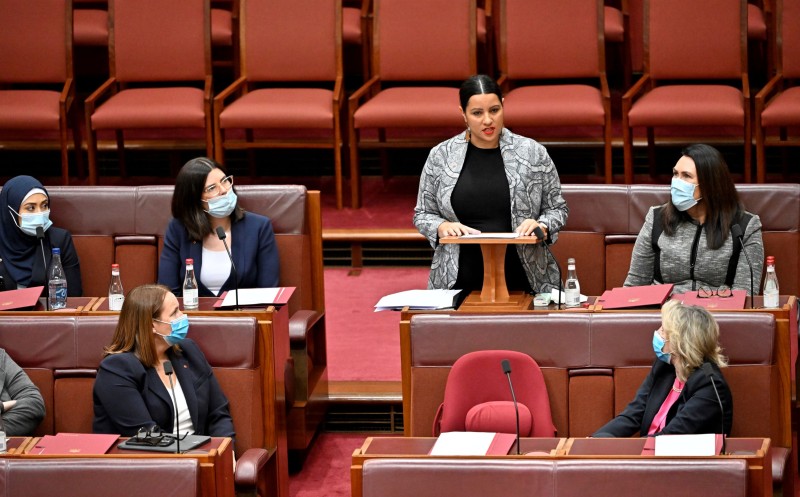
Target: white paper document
x,y
463,443
252,296
554,296
418,299
686,445
491,235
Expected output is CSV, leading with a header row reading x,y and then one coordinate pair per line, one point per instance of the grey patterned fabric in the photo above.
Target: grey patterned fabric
x,y
535,194
711,266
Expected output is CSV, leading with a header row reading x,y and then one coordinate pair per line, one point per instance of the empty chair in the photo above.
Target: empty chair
x,y
37,89
477,396
778,103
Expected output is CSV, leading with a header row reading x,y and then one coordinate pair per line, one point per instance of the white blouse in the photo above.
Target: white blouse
x,y
184,421
215,270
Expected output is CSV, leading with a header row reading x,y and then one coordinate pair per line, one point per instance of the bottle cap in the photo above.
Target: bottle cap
x,y
115,266
56,251
770,259
571,261
189,261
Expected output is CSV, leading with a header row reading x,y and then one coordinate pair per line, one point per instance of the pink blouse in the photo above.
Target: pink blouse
x,y
661,416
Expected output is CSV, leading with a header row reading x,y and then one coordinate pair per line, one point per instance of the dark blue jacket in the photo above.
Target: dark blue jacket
x,y
128,395
254,251
54,237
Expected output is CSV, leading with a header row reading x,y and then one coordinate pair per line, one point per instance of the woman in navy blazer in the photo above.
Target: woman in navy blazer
x,y
205,199
132,391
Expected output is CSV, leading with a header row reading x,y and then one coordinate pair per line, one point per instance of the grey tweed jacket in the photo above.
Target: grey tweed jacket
x,y
23,418
535,194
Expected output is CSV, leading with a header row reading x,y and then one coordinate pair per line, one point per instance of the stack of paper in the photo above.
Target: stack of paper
x,y
472,443
418,299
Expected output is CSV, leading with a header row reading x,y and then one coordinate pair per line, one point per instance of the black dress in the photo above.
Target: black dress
x,y
481,200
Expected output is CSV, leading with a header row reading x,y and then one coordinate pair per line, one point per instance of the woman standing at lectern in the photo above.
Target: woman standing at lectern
x,y
492,180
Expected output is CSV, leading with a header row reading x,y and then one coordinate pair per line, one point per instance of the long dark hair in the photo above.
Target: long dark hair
x,y
187,205
723,207
479,84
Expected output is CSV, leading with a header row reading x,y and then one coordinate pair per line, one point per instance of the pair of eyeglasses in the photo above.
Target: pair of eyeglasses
x,y
151,436
223,185
722,292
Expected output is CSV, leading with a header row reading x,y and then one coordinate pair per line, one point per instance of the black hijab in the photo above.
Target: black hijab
x,y
17,250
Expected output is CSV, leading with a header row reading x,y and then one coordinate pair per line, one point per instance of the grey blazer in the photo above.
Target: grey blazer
x,y
535,194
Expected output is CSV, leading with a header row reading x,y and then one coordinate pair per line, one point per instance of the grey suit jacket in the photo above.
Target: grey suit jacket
x,y
25,416
535,194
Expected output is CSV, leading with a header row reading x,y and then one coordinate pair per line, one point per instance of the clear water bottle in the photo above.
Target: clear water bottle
x,y
56,282
771,288
190,300
116,296
2,430
573,287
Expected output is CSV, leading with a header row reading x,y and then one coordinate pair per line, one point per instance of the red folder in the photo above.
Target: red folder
x,y
634,296
20,299
74,444
733,303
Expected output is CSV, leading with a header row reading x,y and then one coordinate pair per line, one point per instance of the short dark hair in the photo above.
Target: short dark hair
x,y
479,84
723,207
186,199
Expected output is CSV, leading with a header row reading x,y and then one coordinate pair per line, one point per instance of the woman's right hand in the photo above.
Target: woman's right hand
x,y
455,229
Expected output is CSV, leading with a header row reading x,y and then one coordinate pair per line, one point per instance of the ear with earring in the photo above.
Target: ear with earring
x,y
468,136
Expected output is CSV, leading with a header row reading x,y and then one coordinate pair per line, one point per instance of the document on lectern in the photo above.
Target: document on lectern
x,y
418,299
705,444
473,443
489,236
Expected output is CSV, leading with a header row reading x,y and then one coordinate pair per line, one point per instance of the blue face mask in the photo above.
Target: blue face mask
x,y
222,206
683,194
29,222
180,327
658,344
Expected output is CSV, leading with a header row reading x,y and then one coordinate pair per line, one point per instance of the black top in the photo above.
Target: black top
x,y
481,200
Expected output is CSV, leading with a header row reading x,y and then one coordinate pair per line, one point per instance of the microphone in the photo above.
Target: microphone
x,y
540,235
507,370
168,371
40,236
709,371
222,236
736,232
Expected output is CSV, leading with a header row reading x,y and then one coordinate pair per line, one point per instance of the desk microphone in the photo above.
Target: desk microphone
x,y
709,371
168,371
222,236
507,370
40,236
540,235
736,232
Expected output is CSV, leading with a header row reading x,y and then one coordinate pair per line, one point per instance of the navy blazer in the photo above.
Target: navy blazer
x,y
254,251
127,395
53,237
696,410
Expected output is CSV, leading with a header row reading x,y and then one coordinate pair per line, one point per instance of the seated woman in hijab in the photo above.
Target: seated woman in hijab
x,y
25,206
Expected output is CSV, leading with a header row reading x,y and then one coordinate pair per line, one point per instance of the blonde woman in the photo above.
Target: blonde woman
x,y
677,397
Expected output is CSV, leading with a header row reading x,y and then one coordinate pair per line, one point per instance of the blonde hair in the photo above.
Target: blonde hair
x,y
693,334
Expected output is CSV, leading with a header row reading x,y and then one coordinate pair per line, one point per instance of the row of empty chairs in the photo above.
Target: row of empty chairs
x,y
290,92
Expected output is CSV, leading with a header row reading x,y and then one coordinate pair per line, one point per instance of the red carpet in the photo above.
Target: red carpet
x,y
364,345
326,472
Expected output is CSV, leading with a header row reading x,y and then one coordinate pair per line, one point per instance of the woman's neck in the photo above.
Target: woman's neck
x,y
698,213
225,222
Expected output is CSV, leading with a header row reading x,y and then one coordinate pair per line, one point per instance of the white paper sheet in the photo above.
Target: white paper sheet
x,y
491,235
463,443
417,299
686,445
251,296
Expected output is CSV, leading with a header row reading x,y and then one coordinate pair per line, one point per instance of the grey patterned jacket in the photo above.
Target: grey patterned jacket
x,y
535,194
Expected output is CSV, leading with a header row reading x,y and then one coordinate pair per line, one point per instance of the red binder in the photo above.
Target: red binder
x,y
20,299
733,303
74,444
634,296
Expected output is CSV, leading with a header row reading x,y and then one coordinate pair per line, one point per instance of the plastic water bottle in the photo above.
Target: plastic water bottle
x,y
56,282
573,287
771,288
2,431
116,296
190,300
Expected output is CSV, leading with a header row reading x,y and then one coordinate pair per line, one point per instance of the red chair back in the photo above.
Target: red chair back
x,y
789,38
35,41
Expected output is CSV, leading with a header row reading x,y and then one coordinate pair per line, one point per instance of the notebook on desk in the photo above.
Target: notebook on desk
x,y
188,442
635,296
25,298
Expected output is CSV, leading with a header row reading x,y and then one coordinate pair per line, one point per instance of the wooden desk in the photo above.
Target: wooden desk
x,y
215,457
17,445
75,306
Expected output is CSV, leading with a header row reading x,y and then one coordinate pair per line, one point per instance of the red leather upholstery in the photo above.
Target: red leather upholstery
x,y
90,27
614,25
221,27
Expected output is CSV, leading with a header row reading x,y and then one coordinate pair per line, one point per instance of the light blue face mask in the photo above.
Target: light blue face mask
x,y
222,206
29,222
658,344
683,194
180,327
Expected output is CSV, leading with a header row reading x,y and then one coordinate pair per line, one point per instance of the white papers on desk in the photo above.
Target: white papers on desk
x,y
492,235
252,296
686,445
463,443
418,299
554,296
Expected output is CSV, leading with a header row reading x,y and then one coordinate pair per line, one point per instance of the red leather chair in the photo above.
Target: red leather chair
x,y
160,73
552,58
37,89
477,396
778,103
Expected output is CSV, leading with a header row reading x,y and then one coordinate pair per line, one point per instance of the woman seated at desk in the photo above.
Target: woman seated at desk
x,y
677,397
204,200
688,241
23,262
132,391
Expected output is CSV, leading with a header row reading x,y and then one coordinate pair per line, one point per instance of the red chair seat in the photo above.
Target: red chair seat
x,y
480,27
90,27
756,25
351,25
784,110
152,108
280,108
614,27
29,109
696,105
391,109
221,28
561,105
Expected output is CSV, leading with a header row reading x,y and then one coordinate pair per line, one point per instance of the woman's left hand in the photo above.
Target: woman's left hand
x,y
527,226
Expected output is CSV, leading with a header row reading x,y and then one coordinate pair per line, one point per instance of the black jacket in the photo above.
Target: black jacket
x,y
54,237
